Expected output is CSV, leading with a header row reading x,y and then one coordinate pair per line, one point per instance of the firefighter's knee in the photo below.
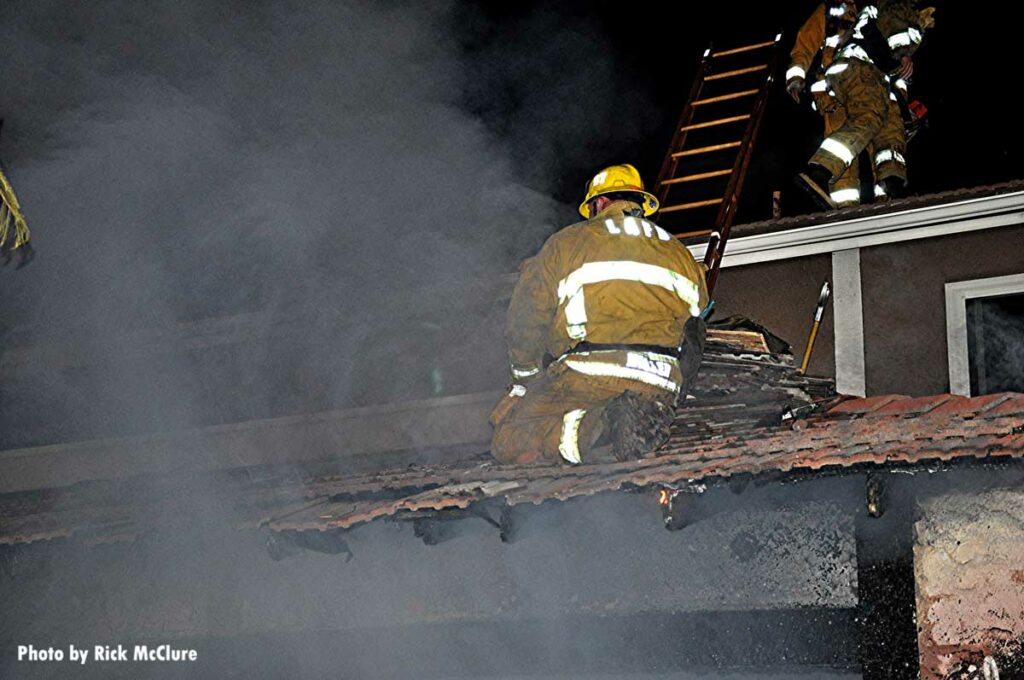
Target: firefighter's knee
x,y
514,446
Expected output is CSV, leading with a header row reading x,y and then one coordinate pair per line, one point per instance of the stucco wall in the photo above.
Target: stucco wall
x,y
904,303
969,568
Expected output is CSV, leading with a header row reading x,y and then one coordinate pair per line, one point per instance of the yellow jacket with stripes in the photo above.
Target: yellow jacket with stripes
x,y
617,278
809,40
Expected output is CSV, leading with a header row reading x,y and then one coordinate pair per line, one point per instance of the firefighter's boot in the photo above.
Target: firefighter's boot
x,y
814,181
891,187
636,425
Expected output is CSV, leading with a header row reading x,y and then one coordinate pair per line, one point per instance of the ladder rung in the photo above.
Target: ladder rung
x,y
746,48
692,234
690,206
694,178
706,149
724,97
737,72
712,123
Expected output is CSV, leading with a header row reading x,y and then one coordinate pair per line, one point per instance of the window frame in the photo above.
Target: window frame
x,y
957,295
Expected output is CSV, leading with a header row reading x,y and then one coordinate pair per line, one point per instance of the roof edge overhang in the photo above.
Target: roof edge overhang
x,y
975,214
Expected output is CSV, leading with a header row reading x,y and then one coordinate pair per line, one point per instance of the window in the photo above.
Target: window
x,y
995,344
985,335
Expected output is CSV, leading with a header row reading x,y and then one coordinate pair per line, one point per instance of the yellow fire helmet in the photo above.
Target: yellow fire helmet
x,y
615,179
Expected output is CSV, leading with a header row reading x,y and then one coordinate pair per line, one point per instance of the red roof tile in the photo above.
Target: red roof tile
x,y
890,429
968,408
861,406
957,406
913,407
1012,406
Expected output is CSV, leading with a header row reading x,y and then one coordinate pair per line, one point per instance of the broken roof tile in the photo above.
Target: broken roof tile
x,y
856,407
914,406
968,407
1013,405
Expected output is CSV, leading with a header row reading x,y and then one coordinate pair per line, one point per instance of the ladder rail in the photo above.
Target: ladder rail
x,y
727,212
669,165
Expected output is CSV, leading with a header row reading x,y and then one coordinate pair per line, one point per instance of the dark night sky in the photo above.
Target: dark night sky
x,y
963,71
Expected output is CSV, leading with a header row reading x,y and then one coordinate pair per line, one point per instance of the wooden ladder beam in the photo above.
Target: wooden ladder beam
x,y
725,97
706,149
745,48
691,206
713,123
737,72
698,176
762,68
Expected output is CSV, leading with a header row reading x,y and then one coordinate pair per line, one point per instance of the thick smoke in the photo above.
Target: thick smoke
x,y
305,162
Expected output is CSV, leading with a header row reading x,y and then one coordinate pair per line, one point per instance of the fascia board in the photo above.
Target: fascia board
x,y
975,214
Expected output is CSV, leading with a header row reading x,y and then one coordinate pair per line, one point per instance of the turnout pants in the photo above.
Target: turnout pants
x,y
864,117
559,419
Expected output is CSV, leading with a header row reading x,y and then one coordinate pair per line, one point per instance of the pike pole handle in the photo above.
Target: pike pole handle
x,y
819,311
810,346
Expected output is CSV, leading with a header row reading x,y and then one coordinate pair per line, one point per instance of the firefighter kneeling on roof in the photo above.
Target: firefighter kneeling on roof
x,y
604,334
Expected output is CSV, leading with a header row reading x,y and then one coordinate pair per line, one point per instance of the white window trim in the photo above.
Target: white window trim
x,y
957,295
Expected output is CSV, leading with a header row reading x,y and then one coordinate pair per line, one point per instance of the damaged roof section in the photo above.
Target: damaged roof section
x,y
873,431
742,387
752,413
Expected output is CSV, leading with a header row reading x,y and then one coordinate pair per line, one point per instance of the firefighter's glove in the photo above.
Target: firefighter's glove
x,y
521,379
508,402
794,87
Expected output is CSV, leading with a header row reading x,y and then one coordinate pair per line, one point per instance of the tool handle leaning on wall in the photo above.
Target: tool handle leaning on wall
x,y
819,311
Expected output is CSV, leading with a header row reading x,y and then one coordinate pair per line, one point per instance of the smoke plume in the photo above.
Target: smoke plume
x,y
305,162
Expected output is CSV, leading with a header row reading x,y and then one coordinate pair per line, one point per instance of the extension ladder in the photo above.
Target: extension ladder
x,y
705,155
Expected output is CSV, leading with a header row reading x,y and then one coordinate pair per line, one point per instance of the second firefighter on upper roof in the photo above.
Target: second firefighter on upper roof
x,y
858,62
